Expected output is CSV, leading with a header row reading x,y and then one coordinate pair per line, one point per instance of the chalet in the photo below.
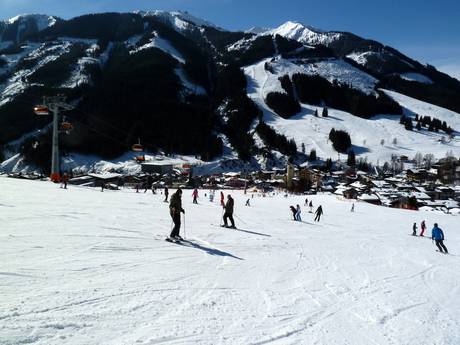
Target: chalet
x,y
417,175
350,193
158,167
370,198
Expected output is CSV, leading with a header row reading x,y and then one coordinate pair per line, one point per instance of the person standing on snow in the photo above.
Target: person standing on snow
x,y
319,212
149,184
414,229
64,180
222,199
352,207
437,235
229,212
311,206
175,209
248,203
294,212
423,227
297,213
306,202
166,194
195,196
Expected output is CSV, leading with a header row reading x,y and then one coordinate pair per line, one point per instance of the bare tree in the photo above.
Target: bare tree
x,y
429,160
418,158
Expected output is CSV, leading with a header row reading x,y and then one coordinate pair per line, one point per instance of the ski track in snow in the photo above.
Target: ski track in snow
x,y
79,266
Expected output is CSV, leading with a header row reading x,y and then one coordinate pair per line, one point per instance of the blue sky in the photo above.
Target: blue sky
x,y
426,30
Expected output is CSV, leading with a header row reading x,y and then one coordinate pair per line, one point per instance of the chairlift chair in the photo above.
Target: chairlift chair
x,y
41,110
137,147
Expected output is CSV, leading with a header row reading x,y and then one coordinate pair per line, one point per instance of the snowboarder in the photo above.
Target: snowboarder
x,y
422,227
222,199
311,206
437,235
319,213
175,209
352,207
195,196
294,212
248,203
229,212
166,194
297,214
64,180
414,229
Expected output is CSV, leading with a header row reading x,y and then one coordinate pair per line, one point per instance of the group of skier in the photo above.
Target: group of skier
x,y
296,211
437,235
175,210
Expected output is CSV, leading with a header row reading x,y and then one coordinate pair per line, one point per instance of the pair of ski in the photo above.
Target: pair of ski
x,y
174,240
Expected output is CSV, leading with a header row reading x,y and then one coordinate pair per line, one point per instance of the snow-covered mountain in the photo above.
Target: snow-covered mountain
x,y
184,85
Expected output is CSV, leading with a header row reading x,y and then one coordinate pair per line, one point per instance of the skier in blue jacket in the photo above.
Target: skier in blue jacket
x,y
438,236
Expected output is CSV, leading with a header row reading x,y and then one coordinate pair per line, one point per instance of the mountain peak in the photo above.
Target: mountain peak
x,y
179,19
305,34
43,21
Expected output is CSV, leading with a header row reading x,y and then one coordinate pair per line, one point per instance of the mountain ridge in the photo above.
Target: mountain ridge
x,y
177,73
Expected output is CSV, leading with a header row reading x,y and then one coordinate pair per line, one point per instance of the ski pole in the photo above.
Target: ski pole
x,y
185,233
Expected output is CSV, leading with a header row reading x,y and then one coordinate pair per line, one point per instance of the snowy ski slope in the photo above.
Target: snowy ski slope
x,y
366,135
79,266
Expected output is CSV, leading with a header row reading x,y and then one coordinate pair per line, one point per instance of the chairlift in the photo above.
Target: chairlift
x,y
137,147
41,110
66,126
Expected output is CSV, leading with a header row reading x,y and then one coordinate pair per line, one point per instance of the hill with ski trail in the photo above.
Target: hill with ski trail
x,y
79,266
367,134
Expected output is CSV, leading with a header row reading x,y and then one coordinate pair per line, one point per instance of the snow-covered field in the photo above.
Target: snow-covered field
x,y
79,266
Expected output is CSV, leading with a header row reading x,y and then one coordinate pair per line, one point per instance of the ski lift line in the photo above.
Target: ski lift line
x,y
94,117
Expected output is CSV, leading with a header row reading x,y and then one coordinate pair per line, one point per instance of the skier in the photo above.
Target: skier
x,y
166,194
222,199
294,212
248,203
64,180
352,207
311,206
414,229
297,214
149,184
229,212
195,196
437,235
211,196
423,227
319,213
175,208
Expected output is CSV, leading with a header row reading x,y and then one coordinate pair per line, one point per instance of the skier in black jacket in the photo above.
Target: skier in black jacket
x,y
175,209
319,213
229,212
